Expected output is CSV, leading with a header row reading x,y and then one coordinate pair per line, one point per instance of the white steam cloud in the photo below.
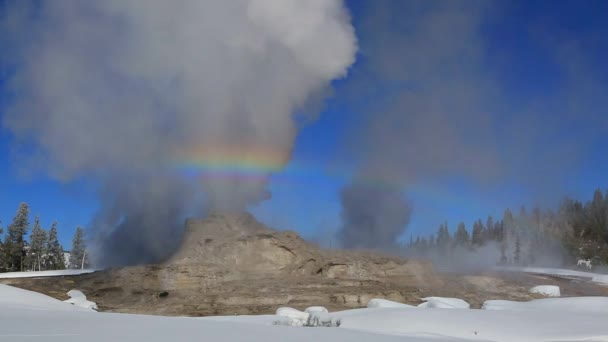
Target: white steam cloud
x,y
120,90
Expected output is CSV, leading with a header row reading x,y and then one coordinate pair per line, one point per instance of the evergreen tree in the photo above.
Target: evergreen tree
x,y
491,229
55,260
597,218
443,240
477,235
517,254
37,247
508,221
461,238
14,241
78,255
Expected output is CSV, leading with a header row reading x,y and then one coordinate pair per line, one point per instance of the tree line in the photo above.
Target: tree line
x,y
42,251
576,230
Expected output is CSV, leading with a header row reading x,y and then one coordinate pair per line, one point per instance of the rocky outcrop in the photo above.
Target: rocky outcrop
x,y
233,264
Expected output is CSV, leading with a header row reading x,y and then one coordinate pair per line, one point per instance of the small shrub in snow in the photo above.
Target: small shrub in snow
x,y
323,319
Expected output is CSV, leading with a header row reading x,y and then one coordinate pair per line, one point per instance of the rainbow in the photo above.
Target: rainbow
x,y
230,162
261,163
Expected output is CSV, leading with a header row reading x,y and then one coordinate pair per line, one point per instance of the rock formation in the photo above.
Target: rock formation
x,y
232,264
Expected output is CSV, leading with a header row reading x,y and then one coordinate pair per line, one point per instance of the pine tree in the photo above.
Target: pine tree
x,y
508,221
78,255
461,238
492,234
477,235
517,254
55,258
14,241
37,247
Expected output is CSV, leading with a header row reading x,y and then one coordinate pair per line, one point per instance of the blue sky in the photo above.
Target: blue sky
x,y
530,49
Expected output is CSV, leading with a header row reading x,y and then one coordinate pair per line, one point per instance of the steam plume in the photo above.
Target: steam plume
x,y
119,91
445,113
374,217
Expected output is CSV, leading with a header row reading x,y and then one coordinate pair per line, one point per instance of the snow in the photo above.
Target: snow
x,y
36,274
295,316
383,303
315,309
601,279
29,316
569,304
78,298
444,303
546,290
12,298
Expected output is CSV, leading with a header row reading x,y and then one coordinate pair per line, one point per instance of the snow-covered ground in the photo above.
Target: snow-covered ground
x,y
601,279
546,290
36,274
30,316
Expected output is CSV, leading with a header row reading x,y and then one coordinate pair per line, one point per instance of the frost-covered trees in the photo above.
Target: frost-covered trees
x,y
55,259
577,230
14,241
78,255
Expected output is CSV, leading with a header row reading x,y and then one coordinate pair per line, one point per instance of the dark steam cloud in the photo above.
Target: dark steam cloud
x,y
374,217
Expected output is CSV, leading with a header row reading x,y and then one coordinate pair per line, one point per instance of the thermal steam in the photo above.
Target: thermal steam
x,y
120,91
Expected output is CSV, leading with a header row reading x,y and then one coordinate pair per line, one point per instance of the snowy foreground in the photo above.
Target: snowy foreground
x,y
30,316
38,274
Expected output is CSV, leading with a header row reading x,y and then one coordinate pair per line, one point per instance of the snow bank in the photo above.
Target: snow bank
x,y
77,298
12,298
569,304
444,303
295,317
383,303
315,309
598,278
57,273
546,290
26,314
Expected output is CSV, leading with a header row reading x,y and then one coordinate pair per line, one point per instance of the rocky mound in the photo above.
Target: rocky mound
x,y
232,264
238,246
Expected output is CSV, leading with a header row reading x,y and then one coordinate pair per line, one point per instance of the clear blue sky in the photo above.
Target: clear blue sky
x,y
520,40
